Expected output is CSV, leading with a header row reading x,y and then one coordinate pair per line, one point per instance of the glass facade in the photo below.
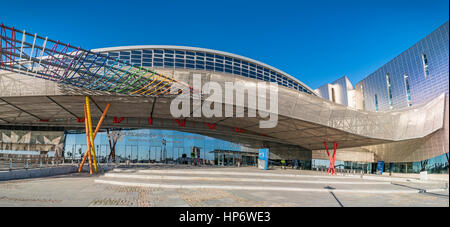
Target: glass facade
x,y
426,67
235,158
415,77
167,146
342,166
149,145
376,103
437,164
408,92
389,89
202,60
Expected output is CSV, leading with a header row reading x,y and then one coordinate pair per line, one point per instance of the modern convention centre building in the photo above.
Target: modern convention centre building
x,y
397,114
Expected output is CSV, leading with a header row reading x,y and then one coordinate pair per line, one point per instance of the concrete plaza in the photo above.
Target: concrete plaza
x,y
166,185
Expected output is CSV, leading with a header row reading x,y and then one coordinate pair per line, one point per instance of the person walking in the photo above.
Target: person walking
x,y
192,158
283,164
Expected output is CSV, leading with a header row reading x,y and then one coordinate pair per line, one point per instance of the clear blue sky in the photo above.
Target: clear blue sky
x,y
316,41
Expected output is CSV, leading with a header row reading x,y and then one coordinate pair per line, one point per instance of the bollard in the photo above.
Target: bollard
x,y
26,167
10,164
40,163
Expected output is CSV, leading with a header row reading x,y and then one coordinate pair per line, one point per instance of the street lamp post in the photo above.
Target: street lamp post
x,y
164,153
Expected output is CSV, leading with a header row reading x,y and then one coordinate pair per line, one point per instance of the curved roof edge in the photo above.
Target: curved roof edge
x,y
187,48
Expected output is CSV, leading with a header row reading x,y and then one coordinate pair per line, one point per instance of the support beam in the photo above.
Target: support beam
x,y
109,140
99,124
331,158
98,107
2,99
91,134
153,107
88,150
112,147
1,119
62,107
334,157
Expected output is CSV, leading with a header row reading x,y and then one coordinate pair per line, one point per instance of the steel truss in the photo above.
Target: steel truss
x,y
41,57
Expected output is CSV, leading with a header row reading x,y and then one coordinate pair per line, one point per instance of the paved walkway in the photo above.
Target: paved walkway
x,y
163,185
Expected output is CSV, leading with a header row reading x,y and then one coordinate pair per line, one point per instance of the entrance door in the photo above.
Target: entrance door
x,y
220,159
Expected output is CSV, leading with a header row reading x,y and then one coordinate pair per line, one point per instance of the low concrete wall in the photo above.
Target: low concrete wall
x,y
431,177
31,173
45,172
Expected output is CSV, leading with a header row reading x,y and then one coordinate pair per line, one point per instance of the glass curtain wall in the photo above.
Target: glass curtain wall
x,y
148,146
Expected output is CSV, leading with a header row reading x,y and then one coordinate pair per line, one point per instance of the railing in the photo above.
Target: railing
x,y
10,162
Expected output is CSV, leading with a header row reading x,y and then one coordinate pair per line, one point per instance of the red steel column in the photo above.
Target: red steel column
x,y
331,158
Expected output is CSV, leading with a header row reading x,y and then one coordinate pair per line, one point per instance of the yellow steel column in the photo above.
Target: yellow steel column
x,y
91,134
88,150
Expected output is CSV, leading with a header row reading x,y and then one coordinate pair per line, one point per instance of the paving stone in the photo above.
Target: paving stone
x,y
82,190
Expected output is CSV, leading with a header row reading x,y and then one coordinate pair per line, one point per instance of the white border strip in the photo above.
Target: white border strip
x,y
239,173
163,177
227,187
365,177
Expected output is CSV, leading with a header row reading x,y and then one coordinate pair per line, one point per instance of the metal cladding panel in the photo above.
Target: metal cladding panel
x,y
328,121
394,125
423,87
415,122
339,90
415,150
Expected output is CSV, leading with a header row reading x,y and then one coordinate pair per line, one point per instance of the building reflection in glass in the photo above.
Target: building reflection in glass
x,y
150,146
173,147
